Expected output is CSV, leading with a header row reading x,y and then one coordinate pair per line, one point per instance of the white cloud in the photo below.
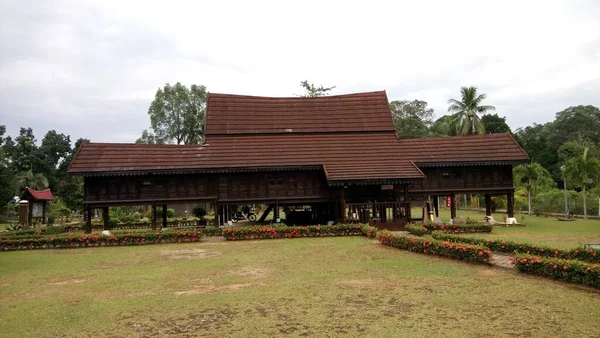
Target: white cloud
x,y
90,69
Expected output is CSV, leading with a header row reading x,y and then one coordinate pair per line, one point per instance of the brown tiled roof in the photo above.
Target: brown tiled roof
x,y
237,114
346,157
37,195
460,150
123,157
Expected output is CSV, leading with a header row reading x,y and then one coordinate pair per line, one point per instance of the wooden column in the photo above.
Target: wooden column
x,y
153,218
488,205
105,218
453,206
276,212
436,207
510,208
343,205
87,216
164,216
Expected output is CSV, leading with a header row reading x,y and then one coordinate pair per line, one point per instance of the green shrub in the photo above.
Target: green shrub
x,y
417,230
211,231
53,230
574,271
170,212
117,239
199,212
500,245
282,231
369,231
460,251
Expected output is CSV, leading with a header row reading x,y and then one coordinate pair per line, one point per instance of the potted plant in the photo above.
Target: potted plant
x,y
200,212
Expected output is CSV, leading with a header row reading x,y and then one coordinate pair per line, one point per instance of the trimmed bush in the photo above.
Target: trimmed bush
x,y
500,245
459,251
279,231
573,271
73,241
417,230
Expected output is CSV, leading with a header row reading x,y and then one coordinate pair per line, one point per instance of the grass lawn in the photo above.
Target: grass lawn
x,y
539,230
312,286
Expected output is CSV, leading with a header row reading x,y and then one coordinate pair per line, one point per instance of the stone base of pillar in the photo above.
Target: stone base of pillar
x,y
106,233
511,220
489,219
437,220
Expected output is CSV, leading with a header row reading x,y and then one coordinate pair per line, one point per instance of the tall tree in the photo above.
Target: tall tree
x,y
69,187
532,176
575,123
7,180
582,171
412,119
494,124
310,90
177,115
466,121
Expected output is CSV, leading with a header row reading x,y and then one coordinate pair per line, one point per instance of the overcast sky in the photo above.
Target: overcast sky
x,y
91,68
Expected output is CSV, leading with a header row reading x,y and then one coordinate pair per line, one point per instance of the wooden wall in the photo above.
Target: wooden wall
x,y
464,178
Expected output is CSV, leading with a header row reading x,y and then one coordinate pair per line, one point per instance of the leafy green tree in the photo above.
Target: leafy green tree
x,y
575,123
177,115
535,141
582,171
310,90
532,176
7,187
147,138
31,180
69,187
412,119
466,121
494,124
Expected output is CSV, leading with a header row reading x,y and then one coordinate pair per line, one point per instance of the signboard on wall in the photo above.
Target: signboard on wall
x,y
387,187
37,209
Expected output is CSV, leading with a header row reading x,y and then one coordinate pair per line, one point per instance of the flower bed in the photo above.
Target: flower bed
x,y
574,271
580,253
460,251
459,228
281,231
73,241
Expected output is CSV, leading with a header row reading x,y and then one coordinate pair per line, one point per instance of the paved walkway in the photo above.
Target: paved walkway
x,y
502,260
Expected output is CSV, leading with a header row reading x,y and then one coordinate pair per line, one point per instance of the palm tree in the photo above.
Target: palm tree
x,y
582,171
532,176
31,180
466,121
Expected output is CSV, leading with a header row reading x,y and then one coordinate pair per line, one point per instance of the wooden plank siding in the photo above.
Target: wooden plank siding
x,y
464,178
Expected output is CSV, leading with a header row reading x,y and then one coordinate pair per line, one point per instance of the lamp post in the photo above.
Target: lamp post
x,y
563,169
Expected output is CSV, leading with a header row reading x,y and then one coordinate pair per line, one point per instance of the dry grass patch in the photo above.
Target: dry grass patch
x,y
189,254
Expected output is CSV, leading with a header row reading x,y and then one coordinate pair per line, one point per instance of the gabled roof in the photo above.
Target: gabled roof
x,y
460,150
37,195
240,115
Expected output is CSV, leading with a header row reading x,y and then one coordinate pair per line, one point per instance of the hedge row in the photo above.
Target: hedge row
x,y
417,230
460,251
500,245
268,232
574,271
72,241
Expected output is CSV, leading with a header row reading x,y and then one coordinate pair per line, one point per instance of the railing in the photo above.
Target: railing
x,y
378,212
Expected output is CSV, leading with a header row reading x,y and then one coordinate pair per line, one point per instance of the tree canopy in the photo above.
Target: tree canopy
x,y
310,90
412,119
177,115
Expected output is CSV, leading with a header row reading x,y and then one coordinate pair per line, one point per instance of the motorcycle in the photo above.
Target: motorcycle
x,y
238,216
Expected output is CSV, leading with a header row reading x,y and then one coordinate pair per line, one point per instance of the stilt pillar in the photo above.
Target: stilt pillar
x,y
105,218
453,206
87,216
154,220
164,216
510,207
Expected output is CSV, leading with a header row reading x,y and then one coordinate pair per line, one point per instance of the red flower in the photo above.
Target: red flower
x,y
565,268
555,266
556,252
480,253
485,260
